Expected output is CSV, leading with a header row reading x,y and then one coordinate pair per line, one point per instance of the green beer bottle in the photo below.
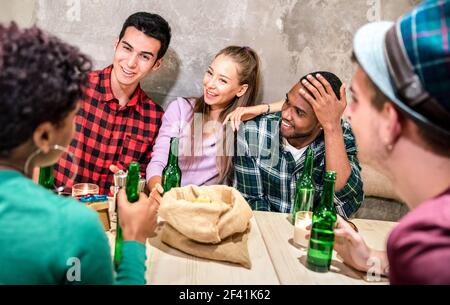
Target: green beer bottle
x,y
132,190
171,175
304,193
46,178
321,241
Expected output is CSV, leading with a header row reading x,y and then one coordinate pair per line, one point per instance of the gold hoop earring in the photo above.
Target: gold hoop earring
x,y
37,152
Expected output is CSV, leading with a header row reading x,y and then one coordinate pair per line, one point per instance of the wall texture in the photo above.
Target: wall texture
x,y
21,11
293,37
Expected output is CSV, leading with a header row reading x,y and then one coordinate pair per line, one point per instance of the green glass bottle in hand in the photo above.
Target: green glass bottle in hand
x,y
321,240
132,190
304,193
46,178
171,175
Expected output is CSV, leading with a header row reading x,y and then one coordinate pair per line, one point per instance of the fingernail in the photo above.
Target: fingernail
x,y
304,81
318,75
309,76
302,91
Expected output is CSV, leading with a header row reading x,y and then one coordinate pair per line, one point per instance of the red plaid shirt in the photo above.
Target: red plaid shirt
x,y
107,133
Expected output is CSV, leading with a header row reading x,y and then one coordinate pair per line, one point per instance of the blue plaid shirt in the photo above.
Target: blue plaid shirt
x,y
266,174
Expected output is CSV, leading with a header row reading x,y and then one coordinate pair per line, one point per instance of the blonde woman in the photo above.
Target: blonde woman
x,y
231,81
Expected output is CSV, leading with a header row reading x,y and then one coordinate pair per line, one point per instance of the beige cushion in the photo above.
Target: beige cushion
x,y
377,184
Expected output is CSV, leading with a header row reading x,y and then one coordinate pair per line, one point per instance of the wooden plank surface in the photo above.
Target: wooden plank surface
x,y
289,260
168,266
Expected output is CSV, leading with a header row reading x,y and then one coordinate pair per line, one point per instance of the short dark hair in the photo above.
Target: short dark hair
x,y
334,81
152,25
41,80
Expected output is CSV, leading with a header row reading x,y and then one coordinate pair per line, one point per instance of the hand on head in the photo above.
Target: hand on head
x,y
322,98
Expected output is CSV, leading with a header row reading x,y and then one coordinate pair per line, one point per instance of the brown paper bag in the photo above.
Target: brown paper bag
x,y
232,249
228,213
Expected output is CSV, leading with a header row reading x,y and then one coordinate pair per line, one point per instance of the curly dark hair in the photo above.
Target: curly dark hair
x,y
41,80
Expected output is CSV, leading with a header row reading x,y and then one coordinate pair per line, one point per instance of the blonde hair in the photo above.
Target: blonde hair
x,y
248,73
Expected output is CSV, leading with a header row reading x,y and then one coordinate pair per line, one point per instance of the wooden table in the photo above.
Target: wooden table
x,y
289,260
275,258
168,266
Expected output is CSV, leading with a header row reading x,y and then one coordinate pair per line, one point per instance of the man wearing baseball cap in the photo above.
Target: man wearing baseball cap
x,y
400,116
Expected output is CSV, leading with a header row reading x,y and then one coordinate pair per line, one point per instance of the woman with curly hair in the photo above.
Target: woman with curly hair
x,y
47,239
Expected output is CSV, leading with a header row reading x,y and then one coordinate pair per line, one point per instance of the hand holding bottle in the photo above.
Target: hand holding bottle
x,y
138,220
350,245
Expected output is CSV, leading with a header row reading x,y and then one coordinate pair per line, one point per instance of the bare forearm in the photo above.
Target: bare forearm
x,y
270,107
276,106
336,158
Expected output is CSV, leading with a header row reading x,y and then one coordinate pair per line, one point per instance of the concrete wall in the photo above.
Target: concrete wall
x,y
293,37
21,11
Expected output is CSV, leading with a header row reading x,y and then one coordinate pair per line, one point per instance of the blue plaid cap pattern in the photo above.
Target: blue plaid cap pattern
x,y
426,37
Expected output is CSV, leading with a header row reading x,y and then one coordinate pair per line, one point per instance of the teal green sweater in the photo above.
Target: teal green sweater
x,y
48,239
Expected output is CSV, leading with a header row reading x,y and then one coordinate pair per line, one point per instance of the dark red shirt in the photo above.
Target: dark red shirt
x,y
107,133
419,247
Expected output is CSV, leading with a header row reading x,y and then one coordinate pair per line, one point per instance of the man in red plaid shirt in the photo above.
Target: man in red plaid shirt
x,y
117,122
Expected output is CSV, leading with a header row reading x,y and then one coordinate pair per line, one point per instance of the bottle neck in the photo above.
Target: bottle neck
x,y
173,153
133,177
327,199
46,176
132,187
308,169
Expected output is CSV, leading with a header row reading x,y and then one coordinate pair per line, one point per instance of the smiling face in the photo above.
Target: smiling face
x,y
135,57
299,124
221,83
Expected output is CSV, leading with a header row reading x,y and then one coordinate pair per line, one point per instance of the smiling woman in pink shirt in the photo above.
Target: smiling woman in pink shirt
x,y
232,80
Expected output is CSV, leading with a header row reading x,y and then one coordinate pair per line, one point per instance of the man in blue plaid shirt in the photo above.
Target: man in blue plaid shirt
x,y
270,149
